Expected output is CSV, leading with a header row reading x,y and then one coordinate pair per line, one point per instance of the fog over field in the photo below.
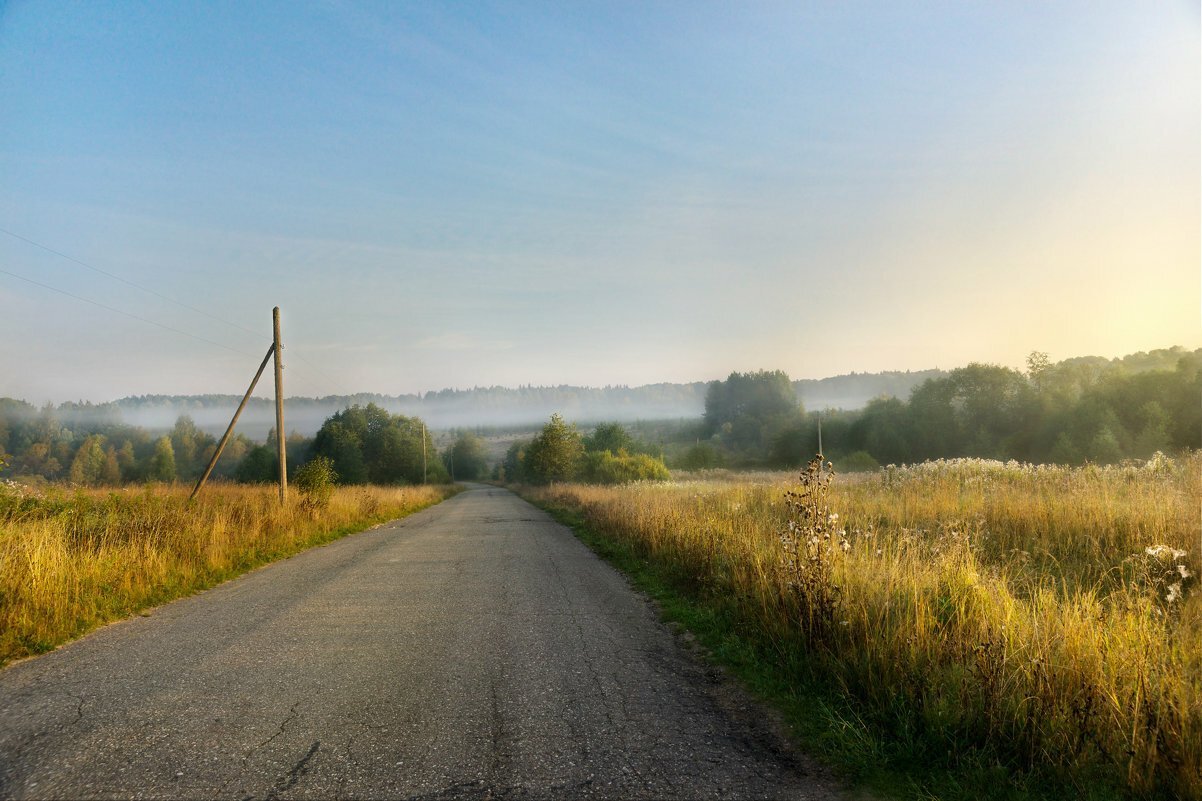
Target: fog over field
x,y
490,406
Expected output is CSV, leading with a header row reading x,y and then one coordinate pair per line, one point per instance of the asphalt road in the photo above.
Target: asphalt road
x,y
473,650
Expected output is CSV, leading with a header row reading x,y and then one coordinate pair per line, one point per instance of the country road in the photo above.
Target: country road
x,y
473,650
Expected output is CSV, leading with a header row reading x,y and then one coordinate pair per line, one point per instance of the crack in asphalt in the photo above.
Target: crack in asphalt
x,y
24,743
79,702
255,748
496,728
289,780
349,749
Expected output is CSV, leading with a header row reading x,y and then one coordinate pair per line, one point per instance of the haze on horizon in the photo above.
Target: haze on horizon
x,y
590,194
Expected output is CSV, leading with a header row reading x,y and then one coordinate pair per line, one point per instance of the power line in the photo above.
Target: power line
x,y
119,311
150,291
333,381
125,281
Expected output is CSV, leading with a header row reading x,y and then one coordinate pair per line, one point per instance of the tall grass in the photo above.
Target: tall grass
x,y
1039,623
71,562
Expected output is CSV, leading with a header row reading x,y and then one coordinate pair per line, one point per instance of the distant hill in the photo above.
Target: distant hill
x,y
448,408
854,390
520,406
490,406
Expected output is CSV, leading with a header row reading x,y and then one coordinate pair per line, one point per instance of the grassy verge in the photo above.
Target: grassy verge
x,y
805,707
70,562
996,632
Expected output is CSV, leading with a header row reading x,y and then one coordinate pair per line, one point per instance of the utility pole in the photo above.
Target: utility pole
x,y
819,435
423,451
279,405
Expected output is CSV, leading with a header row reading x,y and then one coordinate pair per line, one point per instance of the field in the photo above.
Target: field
x,y
70,562
984,627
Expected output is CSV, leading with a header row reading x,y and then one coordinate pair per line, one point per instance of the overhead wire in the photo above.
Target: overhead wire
x,y
122,312
125,281
149,291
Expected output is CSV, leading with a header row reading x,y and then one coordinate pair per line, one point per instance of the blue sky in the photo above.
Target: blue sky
x,y
595,193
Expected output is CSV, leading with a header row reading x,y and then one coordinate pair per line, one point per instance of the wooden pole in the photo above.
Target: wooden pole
x,y
229,431
279,404
423,451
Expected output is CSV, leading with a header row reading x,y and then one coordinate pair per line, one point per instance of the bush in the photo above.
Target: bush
x,y
857,462
604,468
701,456
316,480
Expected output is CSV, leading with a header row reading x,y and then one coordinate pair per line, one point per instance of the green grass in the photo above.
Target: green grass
x,y
820,718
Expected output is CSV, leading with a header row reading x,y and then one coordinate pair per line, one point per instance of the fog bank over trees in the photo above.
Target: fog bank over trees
x,y
479,406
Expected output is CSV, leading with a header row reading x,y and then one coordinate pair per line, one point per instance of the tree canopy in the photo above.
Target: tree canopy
x,y
367,444
748,409
555,454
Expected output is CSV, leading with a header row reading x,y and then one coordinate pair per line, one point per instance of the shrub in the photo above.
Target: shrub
x,y
602,467
857,462
316,480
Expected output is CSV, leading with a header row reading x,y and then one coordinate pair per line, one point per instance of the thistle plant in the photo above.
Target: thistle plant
x,y
1167,573
811,542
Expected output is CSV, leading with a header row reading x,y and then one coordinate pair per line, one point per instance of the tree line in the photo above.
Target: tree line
x,y
1070,412
364,444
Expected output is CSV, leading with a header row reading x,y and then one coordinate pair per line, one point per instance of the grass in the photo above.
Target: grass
x,y
992,630
70,562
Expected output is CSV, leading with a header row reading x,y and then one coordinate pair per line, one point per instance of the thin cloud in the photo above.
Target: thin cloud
x,y
460,340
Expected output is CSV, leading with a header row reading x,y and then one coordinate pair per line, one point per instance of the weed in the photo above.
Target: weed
x,y
1038,621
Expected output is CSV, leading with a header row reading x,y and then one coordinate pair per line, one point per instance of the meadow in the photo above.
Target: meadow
x,y
73,560
977,626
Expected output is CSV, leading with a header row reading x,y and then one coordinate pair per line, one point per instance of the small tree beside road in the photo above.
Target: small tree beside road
x,y
555,454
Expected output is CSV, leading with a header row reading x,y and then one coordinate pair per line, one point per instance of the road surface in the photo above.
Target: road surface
x,y
473,650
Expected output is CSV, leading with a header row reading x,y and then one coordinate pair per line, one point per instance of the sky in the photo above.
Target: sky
x,y
593,193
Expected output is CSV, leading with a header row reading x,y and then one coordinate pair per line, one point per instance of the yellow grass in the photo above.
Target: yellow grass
x,y
71,562
999,609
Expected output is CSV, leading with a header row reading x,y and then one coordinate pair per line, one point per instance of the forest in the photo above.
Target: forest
x,y
1070,412
1078,410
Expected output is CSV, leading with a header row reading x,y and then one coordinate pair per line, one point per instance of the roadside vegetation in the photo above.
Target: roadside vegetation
x,y
72,560
1085,409
964,628
607,455
76,445
1094,410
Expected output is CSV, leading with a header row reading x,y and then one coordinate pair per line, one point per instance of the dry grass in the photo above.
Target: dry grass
x,y
71,562
1006,614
